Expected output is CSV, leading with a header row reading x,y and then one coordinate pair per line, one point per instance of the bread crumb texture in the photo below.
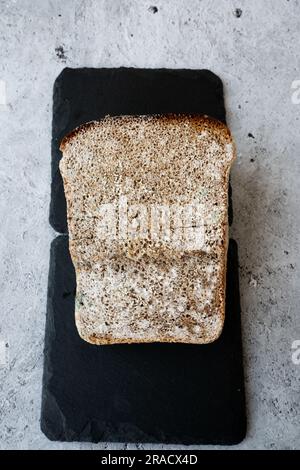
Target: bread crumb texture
x,y
147,201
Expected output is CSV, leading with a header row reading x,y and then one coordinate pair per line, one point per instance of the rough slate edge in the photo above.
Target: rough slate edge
x,y
82,95
61,335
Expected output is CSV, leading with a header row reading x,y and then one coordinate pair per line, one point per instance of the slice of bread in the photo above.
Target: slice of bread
x,y
147,201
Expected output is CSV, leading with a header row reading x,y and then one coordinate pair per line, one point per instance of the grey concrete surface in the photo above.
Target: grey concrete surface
x,y
254,46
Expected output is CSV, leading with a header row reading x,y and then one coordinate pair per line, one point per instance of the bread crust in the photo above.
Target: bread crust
x,y
196,119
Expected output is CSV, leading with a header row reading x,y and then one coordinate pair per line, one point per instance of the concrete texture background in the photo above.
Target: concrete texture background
x,y
253,46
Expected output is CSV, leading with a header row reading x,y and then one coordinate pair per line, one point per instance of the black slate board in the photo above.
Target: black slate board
x,y
82,95
135,393
167,393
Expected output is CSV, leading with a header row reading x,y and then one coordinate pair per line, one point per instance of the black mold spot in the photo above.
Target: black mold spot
x,y
238,12
153,9
286,252
251,135
252,160
61,53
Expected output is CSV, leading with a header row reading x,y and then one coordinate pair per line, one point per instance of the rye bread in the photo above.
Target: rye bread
x,y
143,284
